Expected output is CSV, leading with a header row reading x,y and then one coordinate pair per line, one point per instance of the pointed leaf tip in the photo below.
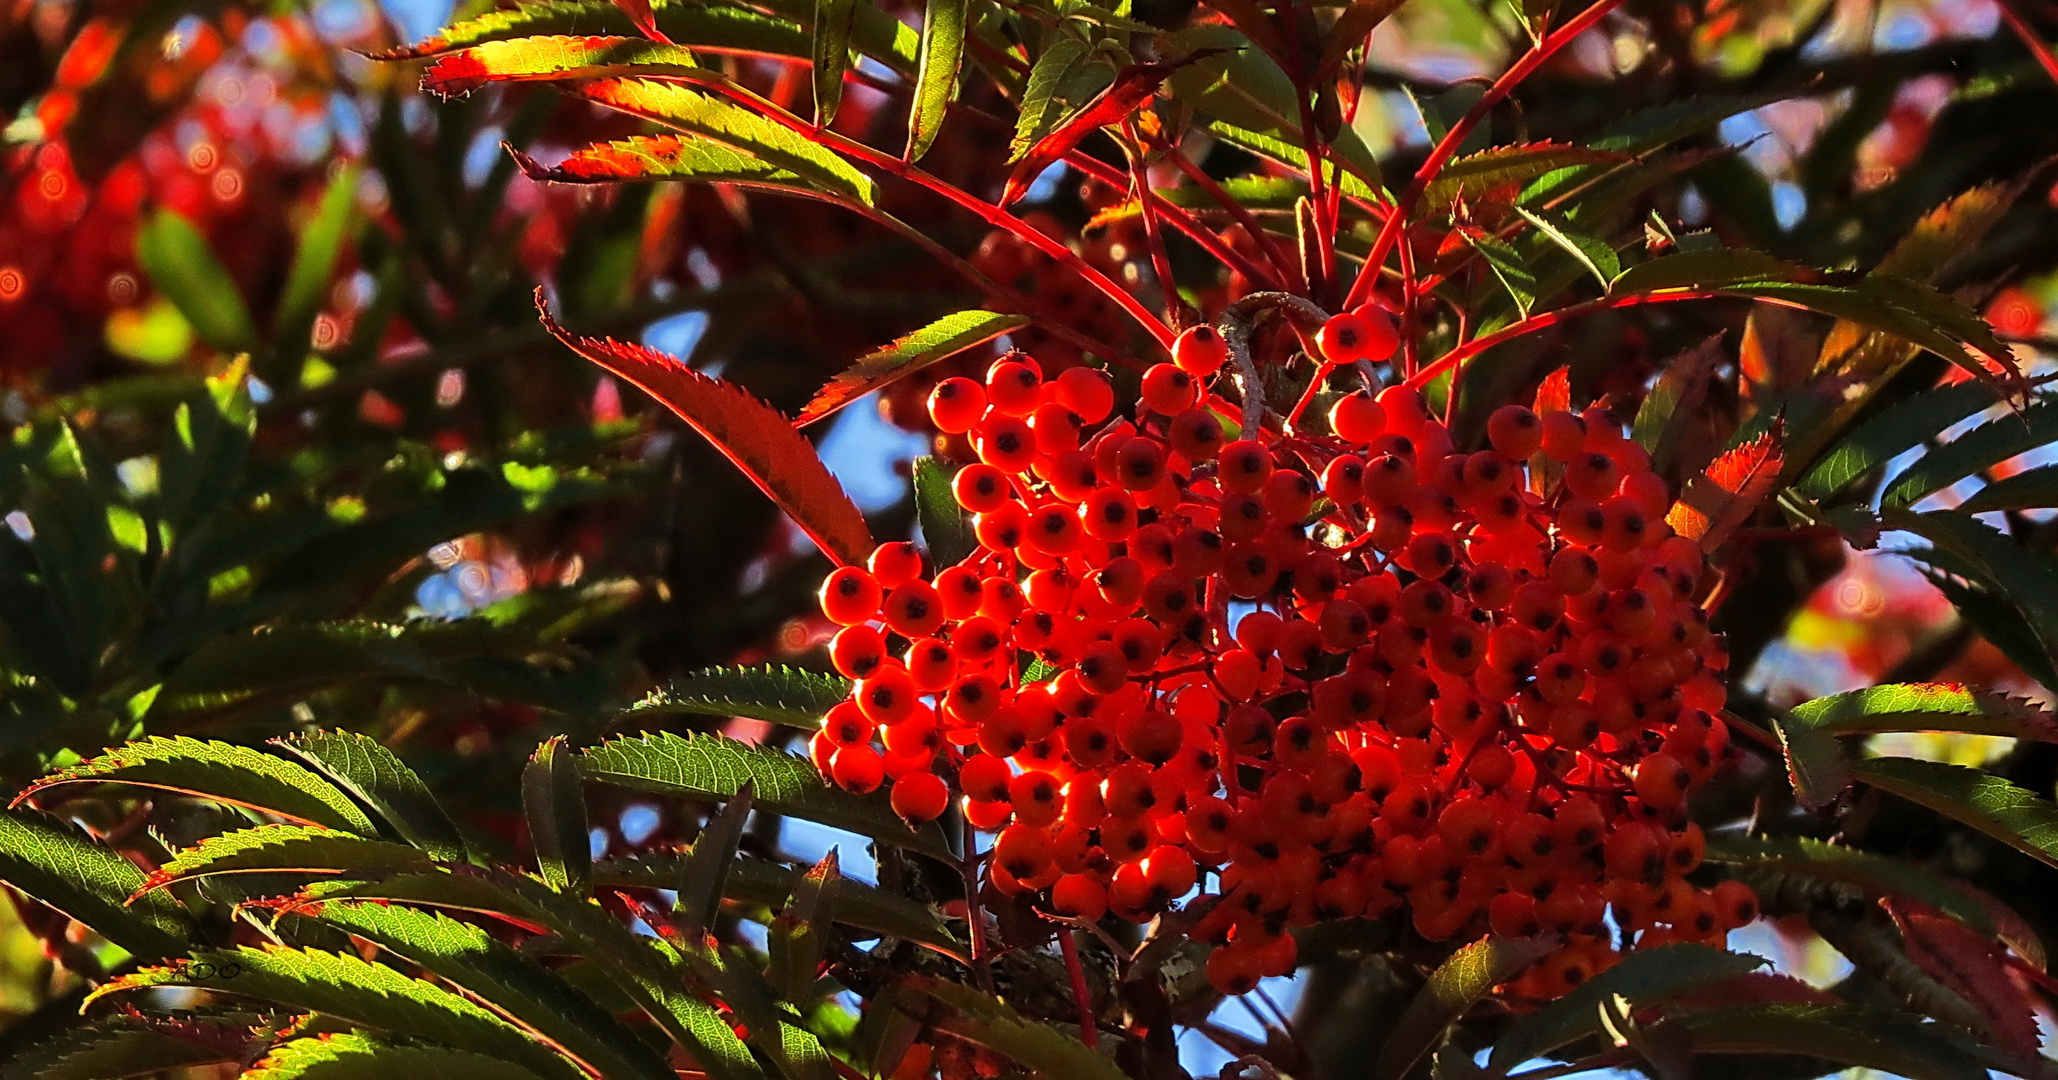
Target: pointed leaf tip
x,y
757,438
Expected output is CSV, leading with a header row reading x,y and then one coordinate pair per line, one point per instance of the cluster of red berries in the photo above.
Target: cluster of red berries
x,y
1321,673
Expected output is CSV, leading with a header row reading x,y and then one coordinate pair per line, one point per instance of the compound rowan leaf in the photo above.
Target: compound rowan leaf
x,y
1724,497
936,342
50,861
1644,978
944,27
1449,991
350,1055
712,767
750,433
1980,799
2030,489
286,849
237,775
1057,75
553,58
773,693
1675,398
704,874
352,989
796,938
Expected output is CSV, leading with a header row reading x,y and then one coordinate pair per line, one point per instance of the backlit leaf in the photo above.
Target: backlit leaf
x,y
52,862
938,341
367,770
349,988
712,767
1894,431
1877,875
751,434
1043,104
1466,177
944,26
1594,254
1982,448
286,849
1928,707
1713,504
770,692
705,870
555,58
666,157
796,938
1507,265
220,771
467,957
705,116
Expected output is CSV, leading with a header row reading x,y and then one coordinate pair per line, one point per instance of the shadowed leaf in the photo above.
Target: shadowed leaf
x,y
944,26
1974,967
944,526
1844,1035
1450,990
772,692
361,766
1979,799
833,20
1644,977
554,804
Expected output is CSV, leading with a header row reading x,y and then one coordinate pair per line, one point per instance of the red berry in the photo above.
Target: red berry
x,y
956,404
920,796
1200,351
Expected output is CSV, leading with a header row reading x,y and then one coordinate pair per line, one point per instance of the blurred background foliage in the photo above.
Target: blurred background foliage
x,y
287,447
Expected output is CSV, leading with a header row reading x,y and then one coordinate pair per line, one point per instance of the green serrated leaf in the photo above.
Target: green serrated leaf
x,y
1466,177
1998,619
1246,90
1928,707
944,24
1643,977
348,988
1681,387
705,871
940,340
772,692
57,865
350,1055
643,969
1979,799
1846,1035
1894,431
220,771
2030,489
833,22
1451,990
1878,875
1044,102
712,767
375,776
702,115
1507,265
1982,448
1285,153
944,527
289,849
467,957
2021,577
1599,259
180,265
554,803
1702,269
798,935
1818,766
1037,1046
114,1050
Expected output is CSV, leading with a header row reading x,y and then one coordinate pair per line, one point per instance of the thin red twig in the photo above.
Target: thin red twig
x,y
1543,320
1154,236
1089,1031
2029,37
1545,48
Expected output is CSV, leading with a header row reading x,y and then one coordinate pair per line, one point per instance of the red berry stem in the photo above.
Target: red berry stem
x,y
1082,998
